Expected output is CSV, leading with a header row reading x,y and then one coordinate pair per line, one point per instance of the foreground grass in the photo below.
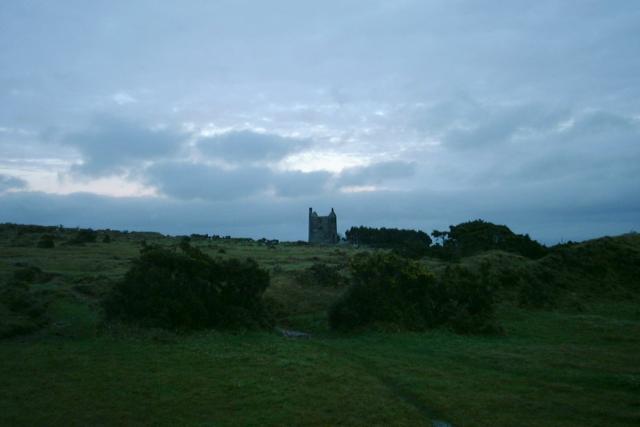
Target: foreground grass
x,y
552,369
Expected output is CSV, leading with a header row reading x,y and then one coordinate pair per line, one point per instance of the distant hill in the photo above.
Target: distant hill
x,y
603,268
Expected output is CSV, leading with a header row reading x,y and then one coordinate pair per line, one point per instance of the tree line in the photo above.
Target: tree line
x,y
460,240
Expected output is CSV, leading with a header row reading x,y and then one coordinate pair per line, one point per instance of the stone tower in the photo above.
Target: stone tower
x,y
323,229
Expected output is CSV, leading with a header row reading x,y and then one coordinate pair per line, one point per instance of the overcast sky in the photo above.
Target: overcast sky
x,y
234,117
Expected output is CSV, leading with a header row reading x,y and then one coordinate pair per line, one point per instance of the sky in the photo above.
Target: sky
x,y
235,117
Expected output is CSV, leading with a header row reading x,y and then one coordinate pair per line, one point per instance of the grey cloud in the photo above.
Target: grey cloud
x,y
600,123
11,183
598,149
576,149
377,173
243,146
186,180
298,184
490,126
110,145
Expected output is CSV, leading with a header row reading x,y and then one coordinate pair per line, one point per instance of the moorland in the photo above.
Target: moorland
x,y
563,349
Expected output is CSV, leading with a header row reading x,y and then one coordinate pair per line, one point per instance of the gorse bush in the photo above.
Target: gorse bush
x,y
46,242
187,290
31,274
469,307
391,291
321,274
22,311
84,236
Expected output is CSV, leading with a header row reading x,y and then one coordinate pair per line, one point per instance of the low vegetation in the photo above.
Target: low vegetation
x,y
474,237
324,275
396,293
189,290
408,243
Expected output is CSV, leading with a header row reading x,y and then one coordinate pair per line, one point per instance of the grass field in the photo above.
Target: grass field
x,y
557,367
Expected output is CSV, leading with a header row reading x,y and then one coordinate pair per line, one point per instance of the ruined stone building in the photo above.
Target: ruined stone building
x,y
323,229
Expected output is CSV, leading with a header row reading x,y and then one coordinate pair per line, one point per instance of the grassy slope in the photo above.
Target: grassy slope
x,y
553,367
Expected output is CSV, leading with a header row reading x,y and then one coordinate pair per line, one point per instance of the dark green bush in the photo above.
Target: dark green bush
x,y
536,291
46,241
22,311
392,291
321,274
473,237
469,309
84,236
187,290
31,274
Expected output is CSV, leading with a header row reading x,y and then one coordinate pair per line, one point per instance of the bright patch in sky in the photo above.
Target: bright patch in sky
x,y
332,161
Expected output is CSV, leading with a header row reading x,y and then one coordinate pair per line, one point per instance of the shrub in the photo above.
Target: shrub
x,y
390,290
469,309
106,239
321,274
536,291
19,300
46,242
84,236
386,289
31,274
22,312
188,290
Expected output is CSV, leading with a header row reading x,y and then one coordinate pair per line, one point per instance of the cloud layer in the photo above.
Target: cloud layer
x,y
409,113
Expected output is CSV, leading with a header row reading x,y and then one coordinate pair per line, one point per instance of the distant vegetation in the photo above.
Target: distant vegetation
x,y
454,282
410,243
46,241
473,237
462,240
321,274
84,236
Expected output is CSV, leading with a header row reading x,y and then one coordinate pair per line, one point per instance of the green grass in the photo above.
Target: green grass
x,y
552,368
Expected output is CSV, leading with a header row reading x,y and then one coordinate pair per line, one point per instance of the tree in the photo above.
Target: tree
x,y
412,243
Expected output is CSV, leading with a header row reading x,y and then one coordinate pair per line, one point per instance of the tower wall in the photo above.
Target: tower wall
x,y
323,229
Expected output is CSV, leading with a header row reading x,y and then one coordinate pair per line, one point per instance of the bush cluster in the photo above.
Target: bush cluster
x,y
473,237
31,274
408,243
84,236
188,290
321,274
391,291
46,242
21,311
